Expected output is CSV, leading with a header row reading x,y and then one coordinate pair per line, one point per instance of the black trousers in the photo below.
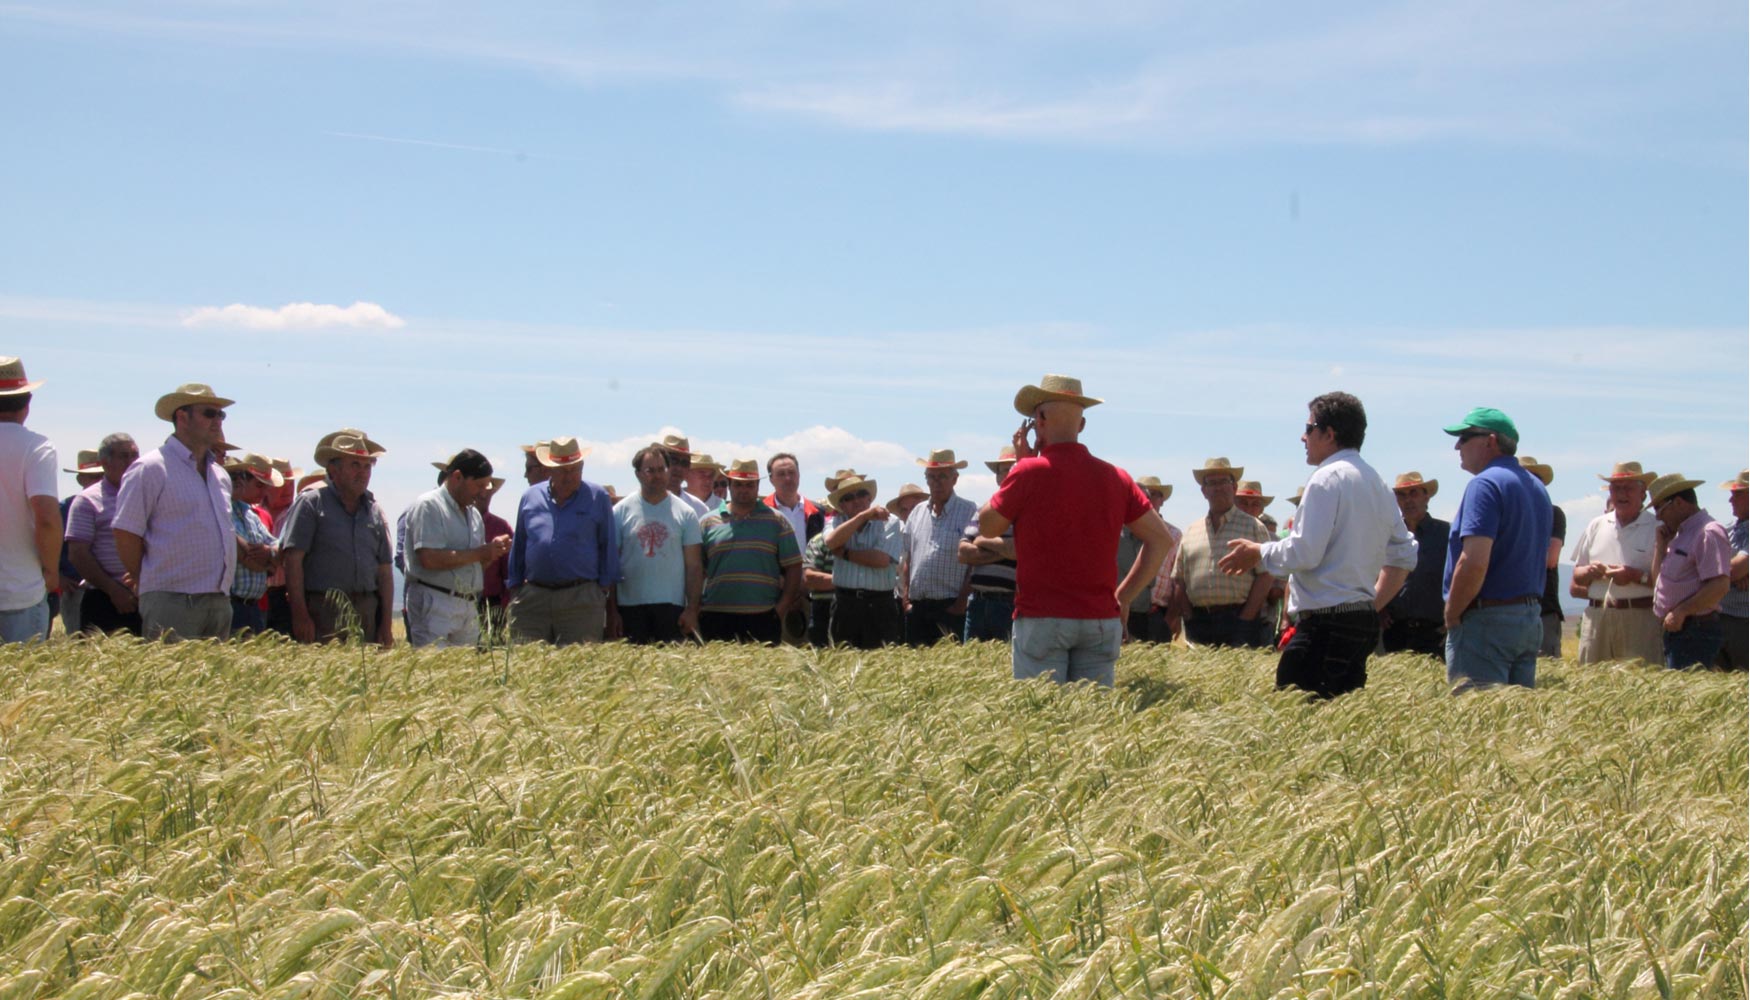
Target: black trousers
x,y
1328,654
1415,635
645,624
820,621
928,622
1204,627
864,619
725,626
97,613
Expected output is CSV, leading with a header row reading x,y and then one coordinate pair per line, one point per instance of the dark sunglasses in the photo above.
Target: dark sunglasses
x,y
1312,427
859,495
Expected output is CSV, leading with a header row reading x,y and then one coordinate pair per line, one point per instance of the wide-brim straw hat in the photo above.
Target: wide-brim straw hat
x,y
561,452
1629,470
1411,480
188,394
1154,483
906,492
677,443
852,484
832,482
942,458
87,463
1300,491
1664,486
742,470
1544,473
12,378
259,467
348,446
1740,483
312,479
1052,389
704,461
1005,459
1252,488
1214,465
286,469
329,439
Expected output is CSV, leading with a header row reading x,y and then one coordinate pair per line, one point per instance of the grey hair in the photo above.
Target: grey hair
x,y
106,448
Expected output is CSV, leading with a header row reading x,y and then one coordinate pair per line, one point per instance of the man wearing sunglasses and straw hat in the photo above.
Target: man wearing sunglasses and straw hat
x,y
30,514
866,549
1413,621
564,553
1067,508
172,523
252,476
335,548
1692,568
1613,570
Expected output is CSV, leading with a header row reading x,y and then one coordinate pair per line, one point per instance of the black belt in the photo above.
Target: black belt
x,y
1617,603
993,592
1492,602
1701,619
446,590
1210,609
561,585
862,592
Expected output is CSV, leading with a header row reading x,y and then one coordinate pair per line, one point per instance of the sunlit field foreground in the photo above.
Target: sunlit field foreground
x,y
264,820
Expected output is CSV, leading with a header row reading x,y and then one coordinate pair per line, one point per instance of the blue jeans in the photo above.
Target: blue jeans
x,y
1067,649
26,624
1494,646
989,617
1696,644
247,615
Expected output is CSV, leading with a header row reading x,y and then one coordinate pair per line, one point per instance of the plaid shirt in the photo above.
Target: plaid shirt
x,y
1199,550
932,550
249,584
181,514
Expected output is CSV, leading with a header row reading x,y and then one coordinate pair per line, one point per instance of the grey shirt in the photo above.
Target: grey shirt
x,y
341,550
435,522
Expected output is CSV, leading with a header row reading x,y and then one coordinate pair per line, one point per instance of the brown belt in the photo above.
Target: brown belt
x,y
1621,602
1491,602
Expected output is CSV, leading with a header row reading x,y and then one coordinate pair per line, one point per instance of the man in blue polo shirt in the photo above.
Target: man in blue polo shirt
x,y
1495,559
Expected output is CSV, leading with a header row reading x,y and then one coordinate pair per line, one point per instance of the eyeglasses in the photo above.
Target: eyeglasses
x,y
859,495
1472,435
1312,427
210,412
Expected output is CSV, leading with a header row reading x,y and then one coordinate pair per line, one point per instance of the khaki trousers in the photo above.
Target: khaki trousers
x,y
1609,634
171,616
561,617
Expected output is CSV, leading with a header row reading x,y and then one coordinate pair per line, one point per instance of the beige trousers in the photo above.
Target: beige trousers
x,y
561,617
1610,634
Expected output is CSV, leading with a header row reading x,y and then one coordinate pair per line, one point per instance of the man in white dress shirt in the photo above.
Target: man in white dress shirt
x,y
1346,557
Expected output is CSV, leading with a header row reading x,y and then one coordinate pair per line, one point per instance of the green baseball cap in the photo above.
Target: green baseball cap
x,y
1485,418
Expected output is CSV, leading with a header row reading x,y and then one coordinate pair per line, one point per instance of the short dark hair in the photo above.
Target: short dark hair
x,y
645,452
14,403
1342,415
782,454
106,448
1687,496
471,464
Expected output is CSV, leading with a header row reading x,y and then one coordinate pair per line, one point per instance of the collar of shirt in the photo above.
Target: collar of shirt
x,y
174,447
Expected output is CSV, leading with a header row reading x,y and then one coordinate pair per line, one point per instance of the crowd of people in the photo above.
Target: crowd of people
x,y
1067,562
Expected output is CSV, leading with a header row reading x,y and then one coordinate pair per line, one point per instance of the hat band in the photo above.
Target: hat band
x,y
13,383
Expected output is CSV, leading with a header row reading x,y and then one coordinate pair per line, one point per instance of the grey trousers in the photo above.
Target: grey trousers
x,y
171,616
561,617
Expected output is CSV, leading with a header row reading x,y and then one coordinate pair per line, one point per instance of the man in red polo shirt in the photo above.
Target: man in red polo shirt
x,y
1067,508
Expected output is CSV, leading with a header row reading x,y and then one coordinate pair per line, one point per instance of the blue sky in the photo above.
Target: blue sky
x,y
852,231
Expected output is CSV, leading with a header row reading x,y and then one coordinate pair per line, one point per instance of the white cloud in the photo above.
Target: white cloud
x,y
295,316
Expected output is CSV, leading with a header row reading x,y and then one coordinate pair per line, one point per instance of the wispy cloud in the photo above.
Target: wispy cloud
x,y
295,316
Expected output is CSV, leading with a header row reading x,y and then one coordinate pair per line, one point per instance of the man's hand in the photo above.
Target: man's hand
x,y
1242,556
689,622
1624,575
1023,447
497,547
615,624
303,627
52,578
1674,620
1124,623
878,513
122,596
386,634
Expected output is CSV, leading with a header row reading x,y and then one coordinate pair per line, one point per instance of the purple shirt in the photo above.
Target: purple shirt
x,y
185,519
89,520
1701,551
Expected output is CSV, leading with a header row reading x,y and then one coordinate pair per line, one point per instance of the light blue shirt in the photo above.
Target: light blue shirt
x,y
1348,527
875,536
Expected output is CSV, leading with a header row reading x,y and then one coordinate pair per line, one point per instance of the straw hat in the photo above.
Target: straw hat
x,y
1299,492
1740,483
1214,465
677,443
87,464
347,444
1533,466
1252,488
285,467
906,492
942,459
313,479
742,470
832,481
1052,389
704,461
188,394
529,449
1664,486
852,484
560,453
1005,459
1154,483
12,379
1629,470
1411,480
260,467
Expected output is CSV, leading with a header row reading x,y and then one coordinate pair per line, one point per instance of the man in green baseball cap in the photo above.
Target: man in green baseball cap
x,y
1495,558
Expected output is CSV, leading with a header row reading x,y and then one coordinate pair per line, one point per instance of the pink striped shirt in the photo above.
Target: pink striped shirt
x,y
184,518
89,520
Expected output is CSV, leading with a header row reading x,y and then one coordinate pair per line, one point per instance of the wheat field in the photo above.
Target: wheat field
x,y
263,820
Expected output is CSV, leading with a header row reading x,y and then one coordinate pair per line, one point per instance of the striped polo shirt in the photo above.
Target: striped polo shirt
x,y
745,560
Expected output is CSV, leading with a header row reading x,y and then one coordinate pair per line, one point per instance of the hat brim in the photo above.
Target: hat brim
x,y
1238,472
963,463
544,455
1000,464
1678,487
1734,485
861,484
169,404
21,390
1431,485
1646,478
328,453
1030,396
95,470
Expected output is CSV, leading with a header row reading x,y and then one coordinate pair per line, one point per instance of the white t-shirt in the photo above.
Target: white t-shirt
x,y
27,469
652,563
